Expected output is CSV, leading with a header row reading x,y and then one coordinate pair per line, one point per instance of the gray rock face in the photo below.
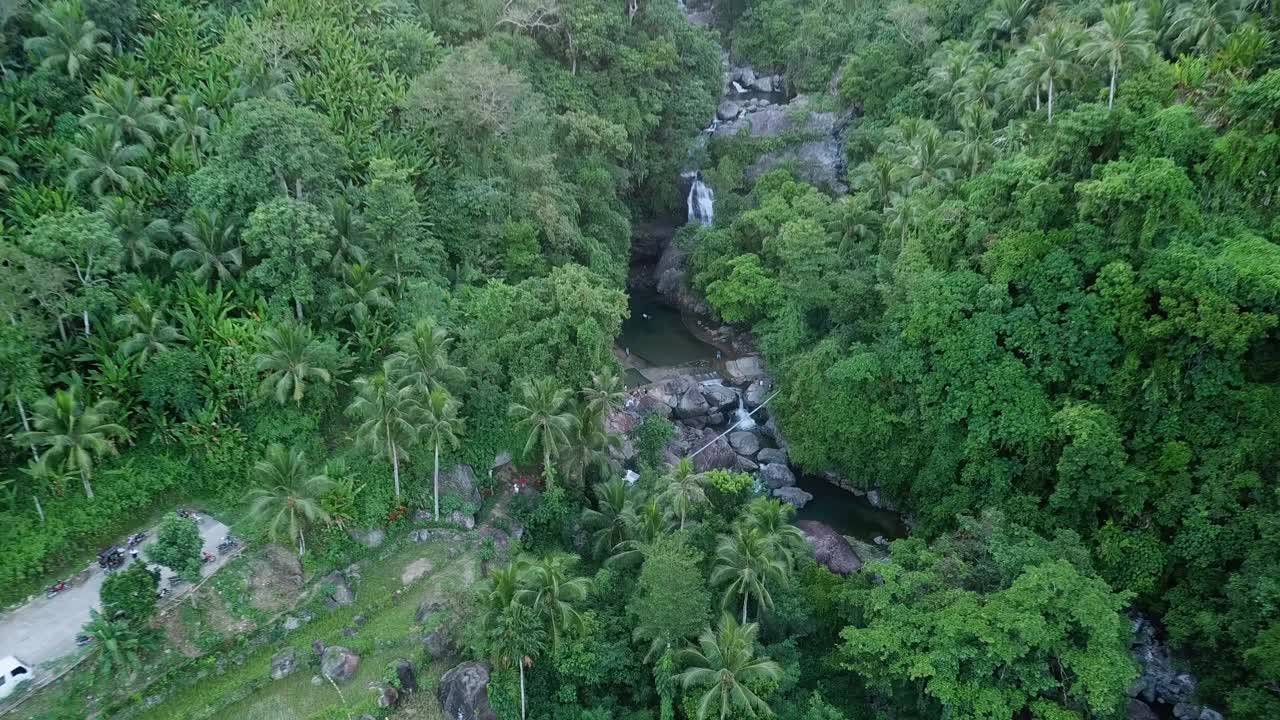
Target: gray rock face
x,y
291,623
461,519
339,664
671,276
464,692
744,443
763,84
745,76
426,607
342,595
715,418
1158,679
757,392
719,397
819,163
728,110
772,456
405,676
388,697
793,496
777,476
439,644
693,404
461,481
719,456
502,458
284,663
1138,710
771,121
746,464
830,548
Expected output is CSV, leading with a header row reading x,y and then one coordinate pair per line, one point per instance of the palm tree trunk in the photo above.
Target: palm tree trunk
x,y
85,314
436,482
302,544
682,511
84,478
26,425
39,510
1050,99
521,662
744,607
297,308
395,465
1111,96
546,466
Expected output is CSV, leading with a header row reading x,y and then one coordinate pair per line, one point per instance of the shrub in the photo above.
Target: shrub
x,y
177,546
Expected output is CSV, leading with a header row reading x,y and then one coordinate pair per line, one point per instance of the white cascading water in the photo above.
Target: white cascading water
x,y
745,421
702,201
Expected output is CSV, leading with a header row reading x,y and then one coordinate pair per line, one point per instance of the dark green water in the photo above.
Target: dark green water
x,y
847,513
660,338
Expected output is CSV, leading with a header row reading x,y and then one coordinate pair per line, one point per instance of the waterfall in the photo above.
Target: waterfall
x,y
738,89
702,200
745,421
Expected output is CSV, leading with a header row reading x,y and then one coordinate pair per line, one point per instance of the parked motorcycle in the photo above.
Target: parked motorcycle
x,y
135,540
206,556
59,587
82,640
227,543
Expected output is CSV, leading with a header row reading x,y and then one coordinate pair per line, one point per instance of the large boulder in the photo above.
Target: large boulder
x,y
777,476
693,404
284,663
429,605
719,397
405,677
793,496
830,548
439,643
1158,680
371,538
719,455
746,464
341,595
757,392
744,443
1138,710
745,76
461,481
773,456
672,277
464,692
728,110
388,697
339,664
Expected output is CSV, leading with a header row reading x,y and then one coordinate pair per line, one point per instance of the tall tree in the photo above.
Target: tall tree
x,y
440,424
121,646
543,414
517,636
553,593
746,565
212,251
117,106
1202,26
1121,37
726,664
190,125
588,446
607,522
422,358
290,240
605,394
685,489
69,41
291,359
390,420
73,434
148,331
1049,61
106,163
140,236
287,495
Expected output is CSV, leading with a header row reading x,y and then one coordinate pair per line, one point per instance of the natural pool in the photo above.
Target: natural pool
x,y
656,333
847,513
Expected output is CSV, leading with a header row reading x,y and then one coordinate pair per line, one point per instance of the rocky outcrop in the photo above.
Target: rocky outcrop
x,y
692,404
772,120
405,677
672,276
757,392
777,476
830,548
793,496
339,664
371,538
818,162
464,692
772,456
728,110
744,443
1159,681
439,643
719,455
461,481
284,663
341,595
719,398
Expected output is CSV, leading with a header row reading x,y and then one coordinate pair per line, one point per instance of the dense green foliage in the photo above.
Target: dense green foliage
x,y
131,594
1052,291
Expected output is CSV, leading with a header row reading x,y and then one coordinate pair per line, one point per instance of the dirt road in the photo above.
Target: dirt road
x,y
45,629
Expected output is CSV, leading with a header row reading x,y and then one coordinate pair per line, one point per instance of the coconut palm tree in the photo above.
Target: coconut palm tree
x,y
685,489
1007,20
725,663
73,434
951,65
1202,26
440,424
212,249
608,520
746,565
287,495
645,524
149,334
588,447
362,294
551,591
1121,37
876,177
1244,51
120,645
389,418
106,163
119,107
974,142
1049,61
605,394
423,357
544,415
190,124
773,519
980,87
517,636
292,359
350,233
69,41
930,158
8,172
140,237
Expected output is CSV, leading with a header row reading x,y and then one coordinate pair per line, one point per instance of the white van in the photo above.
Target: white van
x,y
13,672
